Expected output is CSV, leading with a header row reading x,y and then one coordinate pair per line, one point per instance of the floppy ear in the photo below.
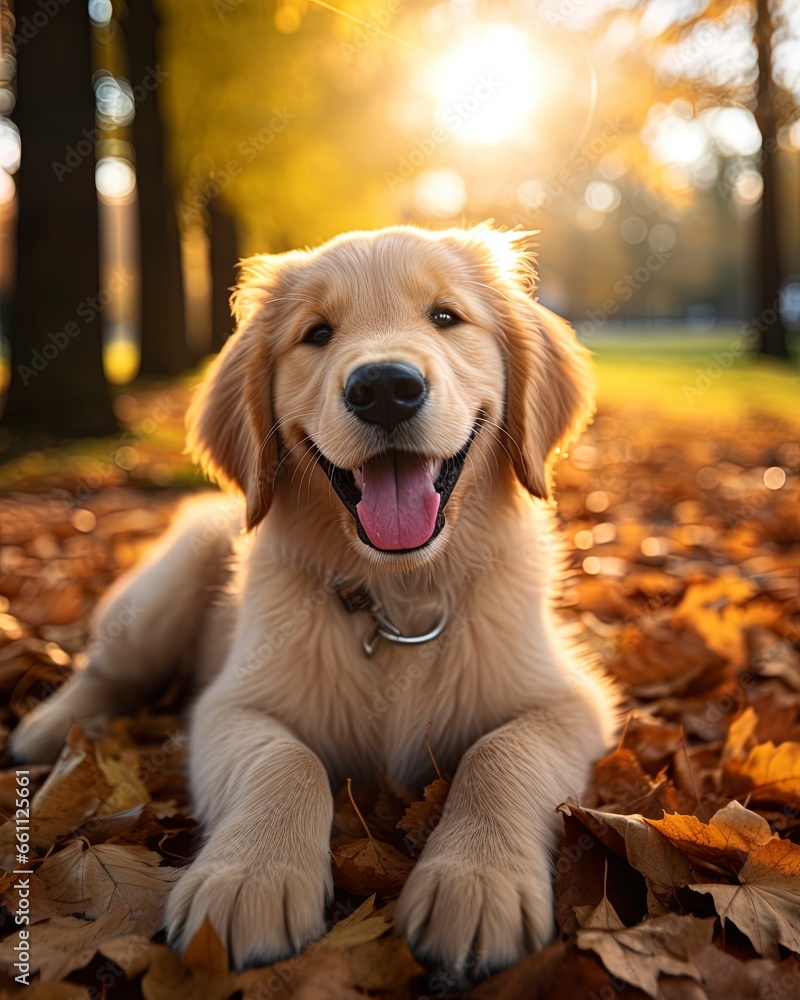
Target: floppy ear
x,y
231,431
550,391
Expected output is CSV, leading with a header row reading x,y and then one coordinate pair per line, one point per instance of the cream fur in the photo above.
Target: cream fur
x,y
290,706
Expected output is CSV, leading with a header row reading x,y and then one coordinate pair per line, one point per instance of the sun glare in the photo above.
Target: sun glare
x,y
486,87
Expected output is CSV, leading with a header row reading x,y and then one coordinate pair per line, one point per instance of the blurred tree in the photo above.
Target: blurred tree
x,y
771,272
223,256
57,382
700,43
163,323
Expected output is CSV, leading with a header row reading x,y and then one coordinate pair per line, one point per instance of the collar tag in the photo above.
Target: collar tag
x,y
355,597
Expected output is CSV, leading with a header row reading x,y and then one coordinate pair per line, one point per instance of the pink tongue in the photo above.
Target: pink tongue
x,y
398,505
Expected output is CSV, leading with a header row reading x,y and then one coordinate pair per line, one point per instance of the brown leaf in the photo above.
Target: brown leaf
x,y
714,611
724,977
740,735
366,865
60,604
664,661
361,926
765,904
620,781
60,945
530,979
383,964
420,818
632,837
721,844
127,791
770,774
659,946
132,953
94,881
73,792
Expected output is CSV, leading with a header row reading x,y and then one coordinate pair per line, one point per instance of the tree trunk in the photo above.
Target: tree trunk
x,y
165,350
223,254
57,383
774,341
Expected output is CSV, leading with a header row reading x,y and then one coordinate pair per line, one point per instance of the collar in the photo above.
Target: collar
x,y
355,596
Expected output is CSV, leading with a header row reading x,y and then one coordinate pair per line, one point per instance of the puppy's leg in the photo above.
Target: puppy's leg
x,y
141,627
481,895
264,875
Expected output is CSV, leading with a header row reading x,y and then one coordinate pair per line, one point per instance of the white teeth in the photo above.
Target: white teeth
x,y
358,475
434,468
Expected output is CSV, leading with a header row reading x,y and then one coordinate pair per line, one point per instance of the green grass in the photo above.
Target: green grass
x,y
689,374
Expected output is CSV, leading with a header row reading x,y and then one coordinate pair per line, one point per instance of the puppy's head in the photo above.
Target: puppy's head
x,y
406,367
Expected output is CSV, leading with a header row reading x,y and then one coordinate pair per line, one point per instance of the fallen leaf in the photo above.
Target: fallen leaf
x,y
765,904
94,881
72,793
383,964
132,953
361,926
770,774
634,838
531,979
60,945
127,791
740,734
724,977
366,865
713,609
723,843
662,661
659,946
420,818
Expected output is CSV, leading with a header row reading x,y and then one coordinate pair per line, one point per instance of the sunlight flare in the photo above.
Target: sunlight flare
x,y
487,85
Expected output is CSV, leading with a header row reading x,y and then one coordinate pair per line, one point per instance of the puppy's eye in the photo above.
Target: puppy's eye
x,y
444,317
319,334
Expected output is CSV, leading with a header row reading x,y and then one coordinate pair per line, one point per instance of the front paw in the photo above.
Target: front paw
x,y
263,910
39,737
468,916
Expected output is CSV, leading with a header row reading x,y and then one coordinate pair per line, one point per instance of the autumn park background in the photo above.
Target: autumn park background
x,y
146,146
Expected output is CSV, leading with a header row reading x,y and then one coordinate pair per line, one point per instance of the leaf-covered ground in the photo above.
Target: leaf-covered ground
x,y
679,876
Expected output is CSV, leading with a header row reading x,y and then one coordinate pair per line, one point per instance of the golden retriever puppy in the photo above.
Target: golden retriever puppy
x,y
388,409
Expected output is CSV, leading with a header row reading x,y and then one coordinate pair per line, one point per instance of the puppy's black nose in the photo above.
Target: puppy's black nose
x,y
385,393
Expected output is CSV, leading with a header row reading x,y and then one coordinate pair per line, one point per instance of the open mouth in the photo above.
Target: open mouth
x,y
398,498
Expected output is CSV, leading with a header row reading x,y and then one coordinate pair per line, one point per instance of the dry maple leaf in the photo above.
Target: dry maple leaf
x,y
619,780
60,945
640,954
723,843
769,774
72,793
420,818
92,881
84,896
633,837
366,865
765,904
663,661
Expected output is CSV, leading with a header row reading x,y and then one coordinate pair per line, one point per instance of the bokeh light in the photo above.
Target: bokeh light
x,y
115,179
